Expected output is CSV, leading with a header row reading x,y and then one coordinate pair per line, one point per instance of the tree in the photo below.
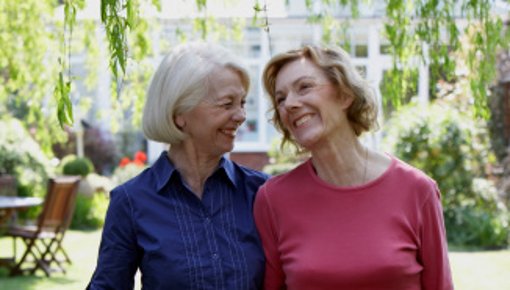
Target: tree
x,y
37,80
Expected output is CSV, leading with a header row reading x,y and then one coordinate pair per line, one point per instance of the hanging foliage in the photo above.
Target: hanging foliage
x,y
429,31
36,48
28,66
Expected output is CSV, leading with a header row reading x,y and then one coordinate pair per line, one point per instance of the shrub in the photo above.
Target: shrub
x,y
99,146
453,149
91,201
89,211
77,166
22,157
282,160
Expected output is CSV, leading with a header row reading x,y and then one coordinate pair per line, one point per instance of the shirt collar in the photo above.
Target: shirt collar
x,y
228,167
164,170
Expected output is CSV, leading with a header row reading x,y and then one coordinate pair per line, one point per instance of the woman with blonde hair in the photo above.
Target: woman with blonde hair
x,y
348,217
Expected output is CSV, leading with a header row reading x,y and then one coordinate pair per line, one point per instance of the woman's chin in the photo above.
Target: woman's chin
x,y
306,142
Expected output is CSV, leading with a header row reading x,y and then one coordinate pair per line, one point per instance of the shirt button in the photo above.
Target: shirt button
x,y
207,220
215,256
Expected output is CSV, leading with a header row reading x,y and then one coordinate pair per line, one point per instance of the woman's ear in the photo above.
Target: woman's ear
x,y
179,121
346,100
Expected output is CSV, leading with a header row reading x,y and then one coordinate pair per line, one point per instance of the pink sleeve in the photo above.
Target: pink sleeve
x,y
264,219
434,249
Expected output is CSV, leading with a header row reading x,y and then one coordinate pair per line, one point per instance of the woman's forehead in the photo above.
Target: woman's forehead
x,y
298,69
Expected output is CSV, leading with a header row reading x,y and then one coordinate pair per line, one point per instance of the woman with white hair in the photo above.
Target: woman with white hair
x,y
186,222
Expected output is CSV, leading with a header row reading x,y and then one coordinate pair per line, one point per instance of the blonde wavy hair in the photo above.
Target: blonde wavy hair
x,y
337,66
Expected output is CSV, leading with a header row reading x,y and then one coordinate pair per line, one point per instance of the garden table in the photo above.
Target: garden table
x,y
9,204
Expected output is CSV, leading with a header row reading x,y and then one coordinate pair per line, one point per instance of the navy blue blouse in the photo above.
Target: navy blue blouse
x,y
155,223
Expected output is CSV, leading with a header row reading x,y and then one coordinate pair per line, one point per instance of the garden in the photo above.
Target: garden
x,y
52,123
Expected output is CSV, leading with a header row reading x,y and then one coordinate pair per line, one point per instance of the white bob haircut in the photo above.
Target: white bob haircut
x,y
180,83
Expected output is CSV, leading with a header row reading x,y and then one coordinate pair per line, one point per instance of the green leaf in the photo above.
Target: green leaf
x,y
131,14
64,106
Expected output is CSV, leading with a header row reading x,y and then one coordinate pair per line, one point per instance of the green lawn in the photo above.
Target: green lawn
x,y
483,270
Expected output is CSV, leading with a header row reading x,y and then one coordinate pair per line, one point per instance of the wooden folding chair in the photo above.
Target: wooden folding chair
x,y
44,241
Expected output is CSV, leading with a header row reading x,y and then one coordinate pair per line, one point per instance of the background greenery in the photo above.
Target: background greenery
x,y
74,165
453,149
22,157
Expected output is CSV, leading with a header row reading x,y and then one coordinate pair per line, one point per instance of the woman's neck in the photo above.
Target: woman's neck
x,y
341,161
193,166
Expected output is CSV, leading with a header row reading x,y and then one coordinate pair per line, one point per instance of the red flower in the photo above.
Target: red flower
x,y
139,160
124,161
141,157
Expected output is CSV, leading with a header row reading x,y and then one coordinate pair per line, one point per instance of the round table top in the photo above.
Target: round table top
x,y
19,202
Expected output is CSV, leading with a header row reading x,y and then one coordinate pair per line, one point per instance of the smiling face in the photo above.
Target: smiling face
x,y
308,104
211,126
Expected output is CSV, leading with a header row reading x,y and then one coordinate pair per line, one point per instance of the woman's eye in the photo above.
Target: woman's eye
x,y
227,105
279,100
304,87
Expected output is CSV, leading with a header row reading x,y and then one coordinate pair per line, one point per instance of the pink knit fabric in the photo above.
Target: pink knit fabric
x,y
387,234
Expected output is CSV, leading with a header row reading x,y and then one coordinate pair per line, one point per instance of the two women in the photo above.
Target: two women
x,y
186,222
348,217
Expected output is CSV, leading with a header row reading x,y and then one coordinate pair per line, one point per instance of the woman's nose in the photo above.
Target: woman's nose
x,y
239,115
291,101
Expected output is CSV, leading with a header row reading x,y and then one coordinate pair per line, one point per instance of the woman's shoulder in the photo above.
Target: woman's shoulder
x,y
251,173
145,181
246,175
409,171
289,178
414,177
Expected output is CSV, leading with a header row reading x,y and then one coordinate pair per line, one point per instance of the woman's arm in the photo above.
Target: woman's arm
x,y
118,254
274,277
434,249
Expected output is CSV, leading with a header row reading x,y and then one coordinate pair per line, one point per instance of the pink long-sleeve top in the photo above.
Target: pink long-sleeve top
x,y
386,234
